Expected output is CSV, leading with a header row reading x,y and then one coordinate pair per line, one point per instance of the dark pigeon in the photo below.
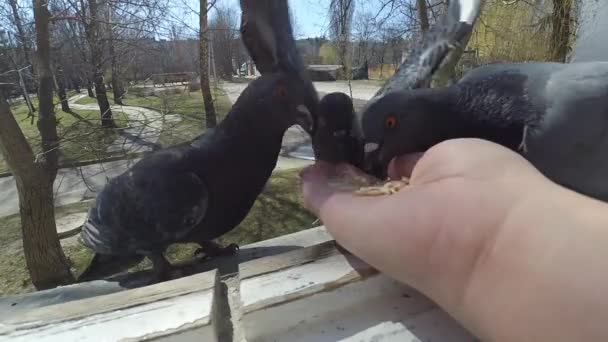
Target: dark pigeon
x,y
555,115
197,192
268,36
333,140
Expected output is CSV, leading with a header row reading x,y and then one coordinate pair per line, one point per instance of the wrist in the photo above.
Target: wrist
x,y
545,269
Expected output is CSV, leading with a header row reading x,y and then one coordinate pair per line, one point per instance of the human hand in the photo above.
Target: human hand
x,y
479,230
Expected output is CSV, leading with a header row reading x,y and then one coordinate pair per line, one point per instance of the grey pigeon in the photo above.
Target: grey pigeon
x,y
425,59
431,53
197,192
555,115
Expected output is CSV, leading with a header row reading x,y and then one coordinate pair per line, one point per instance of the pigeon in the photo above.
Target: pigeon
x,y
427,58
199,191
333,140
553,114
196,192
267,34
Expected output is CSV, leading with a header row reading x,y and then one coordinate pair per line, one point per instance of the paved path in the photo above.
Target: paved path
x,y
363,90
143,129
296,142
76,184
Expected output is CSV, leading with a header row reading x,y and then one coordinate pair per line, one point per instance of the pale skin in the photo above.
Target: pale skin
x,y
508,253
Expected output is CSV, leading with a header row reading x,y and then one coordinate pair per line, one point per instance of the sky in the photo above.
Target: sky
x,y
311,15
311,19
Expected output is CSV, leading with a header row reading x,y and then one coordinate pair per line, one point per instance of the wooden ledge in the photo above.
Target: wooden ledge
x,y
315,291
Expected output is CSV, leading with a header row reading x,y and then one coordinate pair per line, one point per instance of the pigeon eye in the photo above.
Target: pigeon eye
x,y
281,91
189,221
391,121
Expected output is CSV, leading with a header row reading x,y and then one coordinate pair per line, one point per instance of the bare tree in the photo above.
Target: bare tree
x,y
365,28
340,22
35,175
22,36
60,86
423,15
94,37
560,29
117,86
210,115
223,28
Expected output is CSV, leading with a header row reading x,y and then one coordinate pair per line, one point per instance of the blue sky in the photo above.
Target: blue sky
x,y
311,15
311,18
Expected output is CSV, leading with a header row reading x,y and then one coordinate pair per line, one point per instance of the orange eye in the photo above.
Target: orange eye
x,y
391,121
281,91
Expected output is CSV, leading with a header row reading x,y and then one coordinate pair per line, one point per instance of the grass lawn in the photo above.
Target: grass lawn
x,y
81,136
186,105
278,211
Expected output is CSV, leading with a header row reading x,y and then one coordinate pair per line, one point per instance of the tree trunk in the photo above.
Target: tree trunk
x,y
117,87
34,175
210,116
560,34
94,38
90,92
60,83
423,15
107,121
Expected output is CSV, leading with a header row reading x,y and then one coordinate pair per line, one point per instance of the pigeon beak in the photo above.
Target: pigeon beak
x,y
371,152
371,147
304,118
372,162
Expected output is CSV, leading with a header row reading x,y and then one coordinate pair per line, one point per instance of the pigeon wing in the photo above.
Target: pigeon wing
x,y
429,54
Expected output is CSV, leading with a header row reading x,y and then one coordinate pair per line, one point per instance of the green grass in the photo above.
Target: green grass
x,y
187,105
14,277
278,211
82,137
91,100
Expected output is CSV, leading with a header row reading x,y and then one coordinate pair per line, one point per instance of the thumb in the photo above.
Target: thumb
x,y
369,227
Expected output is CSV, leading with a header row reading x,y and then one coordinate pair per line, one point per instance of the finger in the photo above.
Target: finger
x,y
368,227
315,187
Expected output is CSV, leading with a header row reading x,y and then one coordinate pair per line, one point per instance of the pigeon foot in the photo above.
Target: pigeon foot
x,y
211,249
523,147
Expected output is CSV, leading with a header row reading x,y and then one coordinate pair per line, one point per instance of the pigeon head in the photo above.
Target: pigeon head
x,y
158,205
332,140
336,113
403,122
287,98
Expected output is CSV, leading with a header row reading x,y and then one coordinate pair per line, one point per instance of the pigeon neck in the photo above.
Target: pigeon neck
x,y
253,121
501,102
467,117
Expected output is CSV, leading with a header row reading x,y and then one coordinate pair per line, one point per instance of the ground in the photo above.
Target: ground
x,y
82,139
174,101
